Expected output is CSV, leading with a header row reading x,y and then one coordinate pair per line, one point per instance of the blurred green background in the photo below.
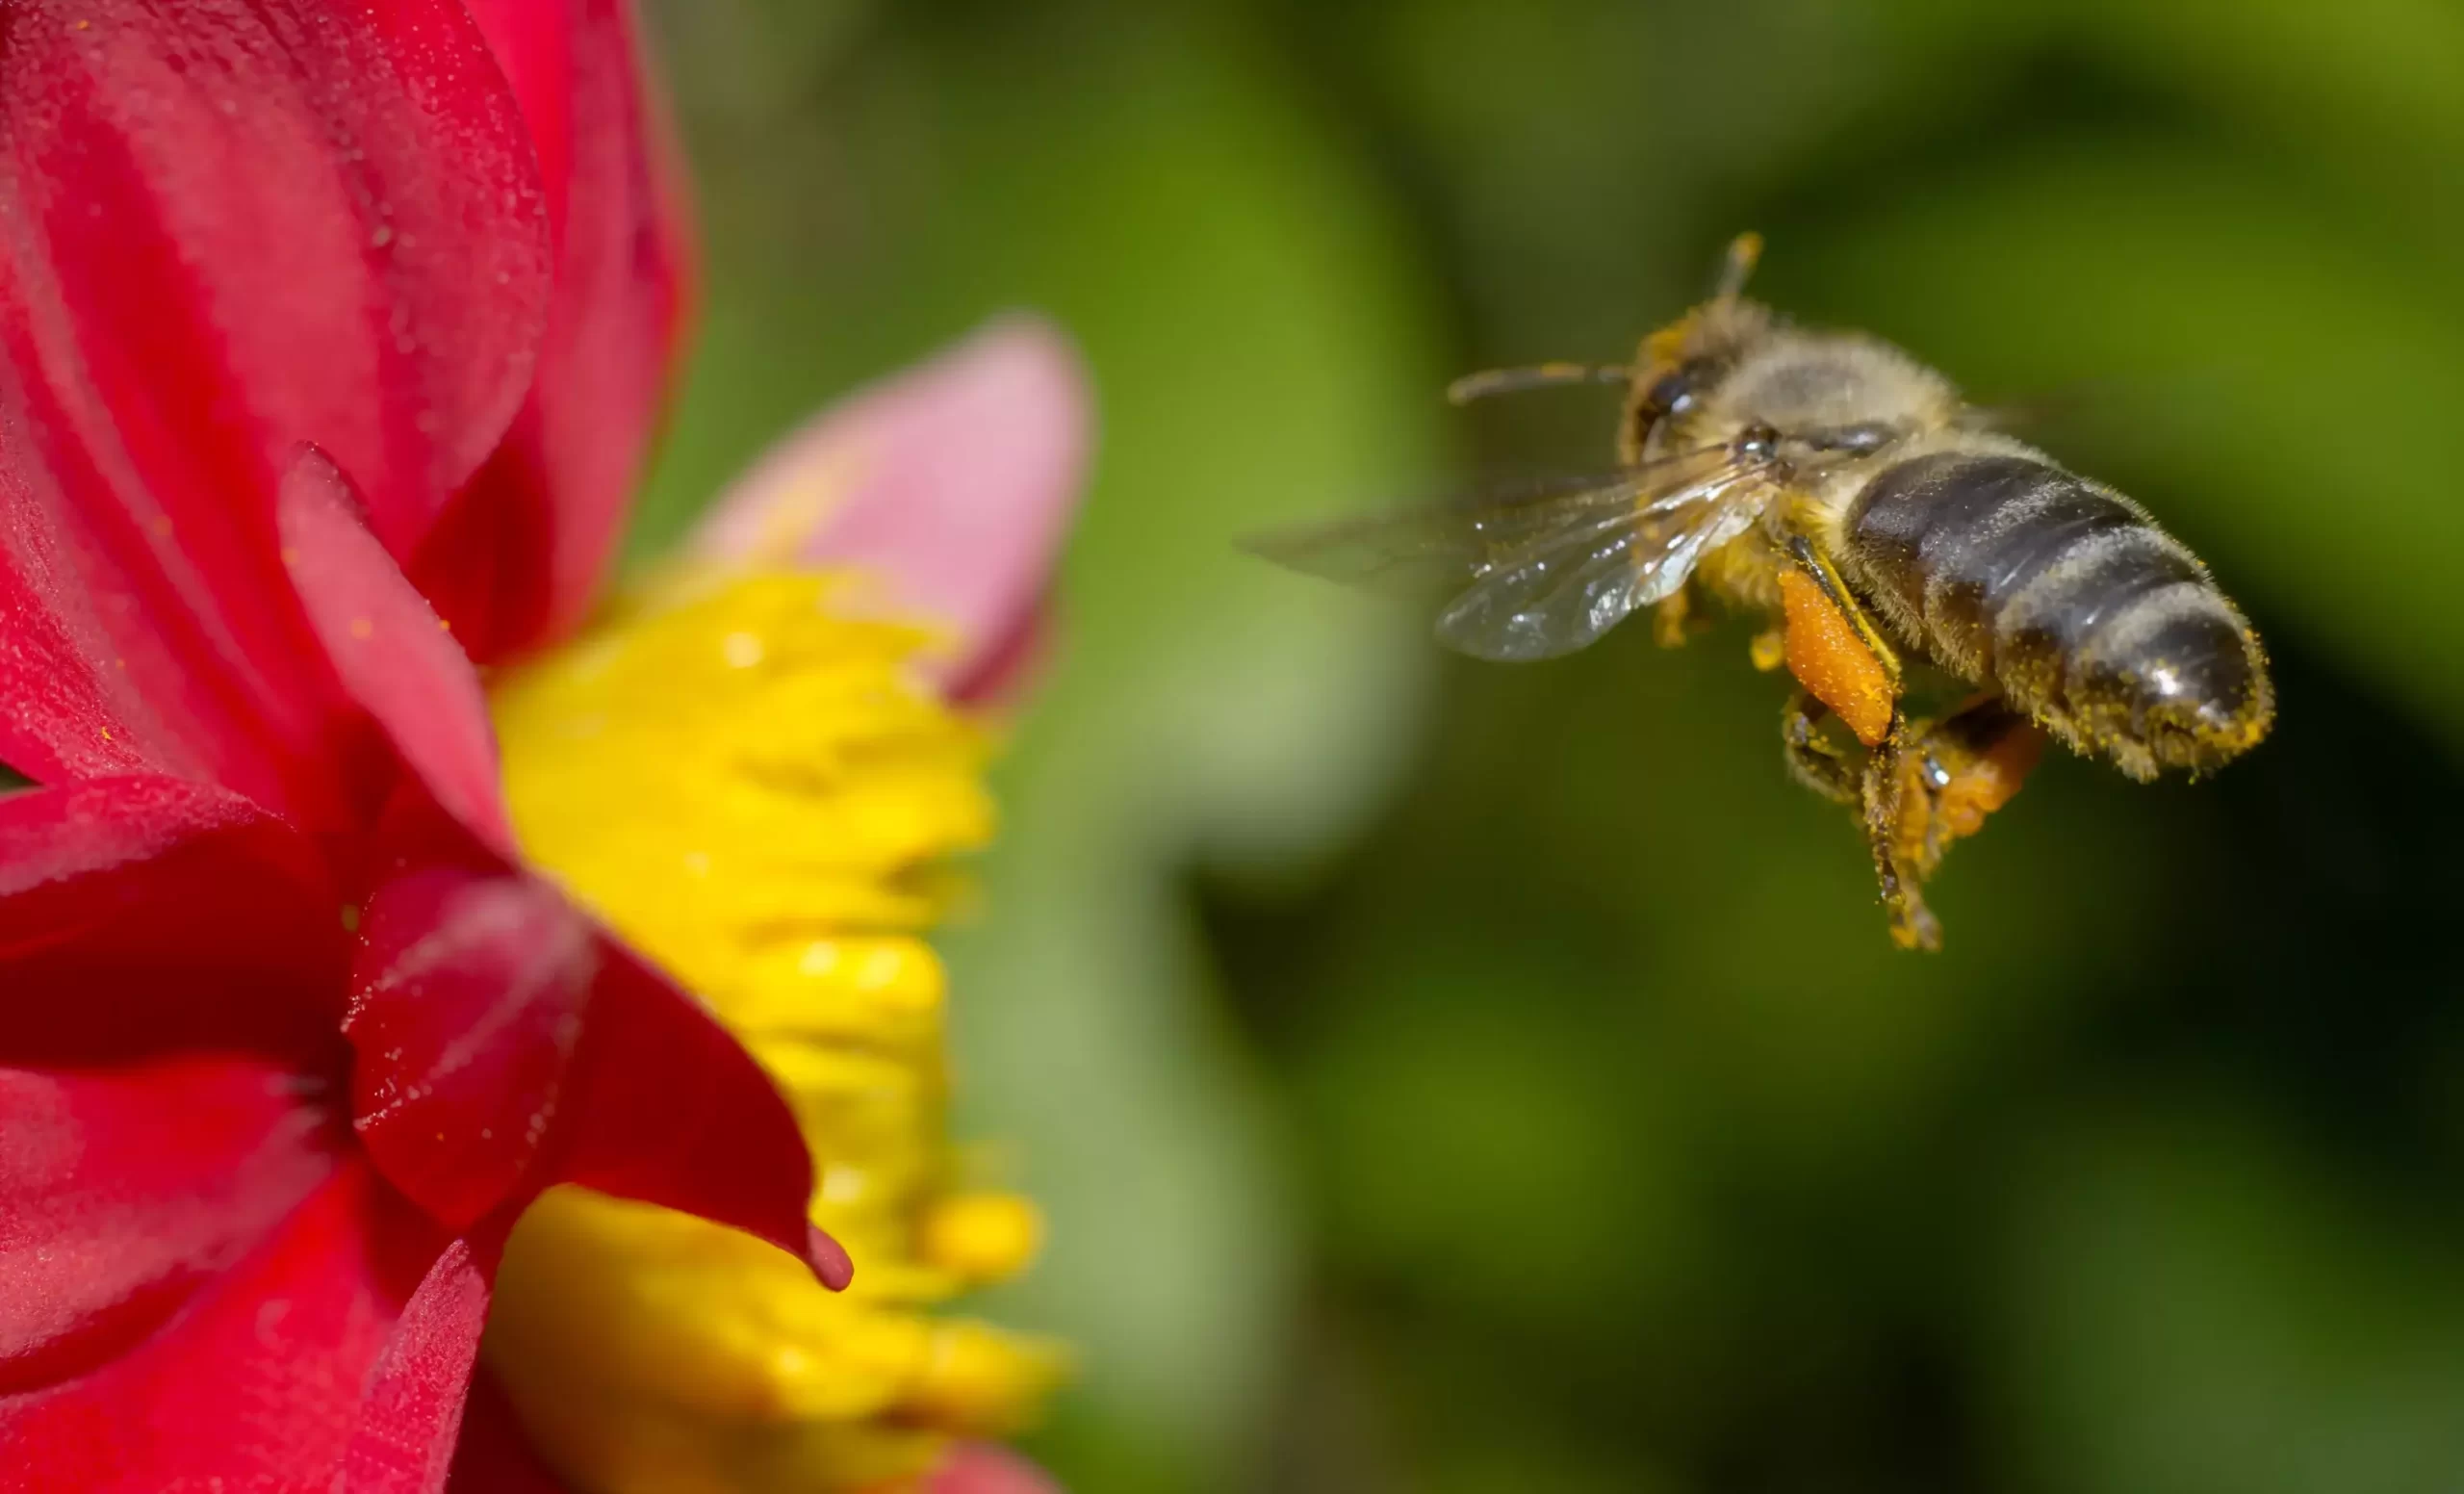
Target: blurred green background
x,y
1455,1078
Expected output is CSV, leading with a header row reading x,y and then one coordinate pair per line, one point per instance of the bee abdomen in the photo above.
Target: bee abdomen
x,y
2069,600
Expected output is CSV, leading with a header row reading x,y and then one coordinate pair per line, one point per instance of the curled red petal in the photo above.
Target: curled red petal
x,y
226,229
670,1110
951,485
523,551
467,1003
503,1043
393,655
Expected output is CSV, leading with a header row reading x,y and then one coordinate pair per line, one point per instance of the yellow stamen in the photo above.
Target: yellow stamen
x,y
982,1237
747,783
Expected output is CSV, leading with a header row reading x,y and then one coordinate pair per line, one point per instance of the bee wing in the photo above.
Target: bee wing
x,y
1549,572
1421,551
1563,592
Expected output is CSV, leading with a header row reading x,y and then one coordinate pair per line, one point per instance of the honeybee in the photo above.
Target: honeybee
x,y
1830,483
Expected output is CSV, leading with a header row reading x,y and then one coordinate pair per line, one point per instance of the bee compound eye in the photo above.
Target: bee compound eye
x,y
1672,394
1861,439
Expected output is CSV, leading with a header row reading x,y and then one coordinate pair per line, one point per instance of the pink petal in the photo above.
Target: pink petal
x,y
982,1468
523,551
952,485
1001,669
232,229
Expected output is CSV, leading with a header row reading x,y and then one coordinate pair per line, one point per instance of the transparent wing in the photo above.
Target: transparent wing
x,y
1563,592
1437,551
1548,572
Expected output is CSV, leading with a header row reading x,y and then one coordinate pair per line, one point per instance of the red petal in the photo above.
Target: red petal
x,y
523,553
467,1003
199,1277
494,1456
412,1409
259,1382
674,1111
199,1281
177,1295
229,229
505,1043
139,915
127,1190
394,657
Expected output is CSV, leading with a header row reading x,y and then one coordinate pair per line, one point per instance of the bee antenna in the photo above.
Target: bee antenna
x,y
1539,375
1744,250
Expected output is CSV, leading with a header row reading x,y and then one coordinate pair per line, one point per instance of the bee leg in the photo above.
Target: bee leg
x,y
1769,649
1880,790
1812,760
1677,617
1836,650
1668,619
1882,796
1958,771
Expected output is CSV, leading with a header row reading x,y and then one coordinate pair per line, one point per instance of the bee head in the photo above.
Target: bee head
x,y
1682,368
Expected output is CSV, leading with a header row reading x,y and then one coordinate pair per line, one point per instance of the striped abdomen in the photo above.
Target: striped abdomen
x,y
2067,598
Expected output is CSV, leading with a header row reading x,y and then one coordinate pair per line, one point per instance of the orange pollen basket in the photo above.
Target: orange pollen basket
x,y
1831,662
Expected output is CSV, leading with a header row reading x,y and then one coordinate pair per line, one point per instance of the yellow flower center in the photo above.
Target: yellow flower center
x,y
748,786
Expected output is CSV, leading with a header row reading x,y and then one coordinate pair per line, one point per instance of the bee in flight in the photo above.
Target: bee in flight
x,y
1830,483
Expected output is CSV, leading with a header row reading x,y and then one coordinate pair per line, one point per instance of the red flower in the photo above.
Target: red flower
x,y
519,557
287,1035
